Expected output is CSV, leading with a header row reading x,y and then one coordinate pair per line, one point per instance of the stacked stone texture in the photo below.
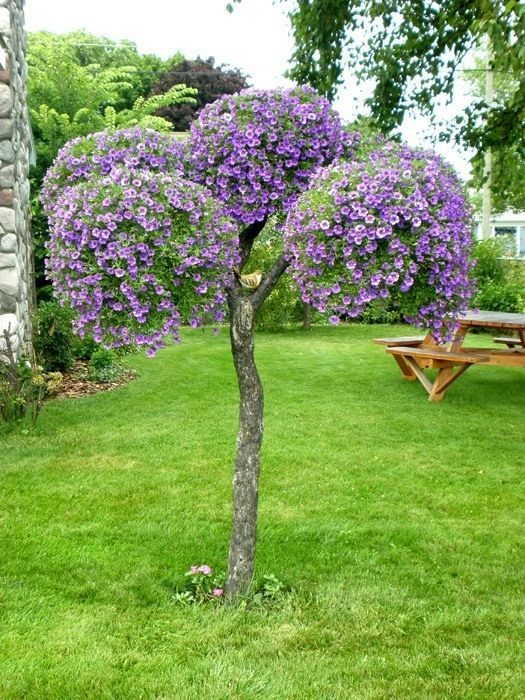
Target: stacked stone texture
x,y
16,278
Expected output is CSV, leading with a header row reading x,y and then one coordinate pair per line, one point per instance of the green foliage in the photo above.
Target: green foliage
x,y
283,307
202,586
104,366
506,296
269,590
56,60
57,346
488,255
58,79
411,53
84,348
54,339
381,311
22,388
142,112
500,281
508,161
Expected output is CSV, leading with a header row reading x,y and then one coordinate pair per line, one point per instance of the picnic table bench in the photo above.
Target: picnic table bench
x,y
509,342
414,354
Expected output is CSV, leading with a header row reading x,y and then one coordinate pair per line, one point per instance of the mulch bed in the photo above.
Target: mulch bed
x,y
76,382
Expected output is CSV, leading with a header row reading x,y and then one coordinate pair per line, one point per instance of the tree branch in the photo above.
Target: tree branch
x,y
246,240
269,281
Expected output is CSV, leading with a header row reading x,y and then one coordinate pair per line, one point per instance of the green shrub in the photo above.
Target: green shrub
x,y
380,312
500,281
54,338
490,265
501,296
83,348
104,366
56,345
284,306
23,388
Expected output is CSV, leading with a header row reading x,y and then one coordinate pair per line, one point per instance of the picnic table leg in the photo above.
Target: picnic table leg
x,y
408,373
418,373
445,377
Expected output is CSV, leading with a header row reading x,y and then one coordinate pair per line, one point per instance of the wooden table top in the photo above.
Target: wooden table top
x,y
493,319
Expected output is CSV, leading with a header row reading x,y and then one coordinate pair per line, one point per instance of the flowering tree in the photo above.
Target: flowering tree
x,y
380,227
145,237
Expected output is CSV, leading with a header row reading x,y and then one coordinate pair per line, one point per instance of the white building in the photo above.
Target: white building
x,y
510,225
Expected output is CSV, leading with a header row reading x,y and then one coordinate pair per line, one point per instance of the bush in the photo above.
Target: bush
x,y
488,256
56,345
85,347
22,387
380,312
54,338
104,366
500,281
502,296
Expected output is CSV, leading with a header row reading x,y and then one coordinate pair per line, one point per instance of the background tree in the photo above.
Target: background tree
x,y
54,63
132,247
411,51
211,82
508,162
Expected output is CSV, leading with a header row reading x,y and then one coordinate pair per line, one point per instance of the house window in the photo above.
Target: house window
x,y
510,236
522,242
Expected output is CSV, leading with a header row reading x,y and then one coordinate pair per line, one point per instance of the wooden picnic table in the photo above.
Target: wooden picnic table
x,y
414,354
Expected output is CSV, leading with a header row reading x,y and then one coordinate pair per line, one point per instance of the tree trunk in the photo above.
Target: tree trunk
x,y
307,317
247,463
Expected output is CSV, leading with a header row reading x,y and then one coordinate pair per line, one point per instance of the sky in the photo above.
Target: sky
x,y
255,38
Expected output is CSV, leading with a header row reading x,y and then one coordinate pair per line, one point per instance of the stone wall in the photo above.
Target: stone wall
x,y
16,267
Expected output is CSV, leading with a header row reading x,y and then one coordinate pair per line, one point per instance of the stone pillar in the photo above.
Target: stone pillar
x,y
16,150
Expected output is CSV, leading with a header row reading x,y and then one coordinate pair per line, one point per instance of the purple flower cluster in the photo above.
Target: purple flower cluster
x,y
257,150
394,226
136,252
86,157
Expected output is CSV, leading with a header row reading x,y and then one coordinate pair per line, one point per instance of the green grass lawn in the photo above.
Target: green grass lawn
x,y
398,522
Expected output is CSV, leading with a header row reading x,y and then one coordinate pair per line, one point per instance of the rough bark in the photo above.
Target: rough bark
x,y
307,317
247,463
243,307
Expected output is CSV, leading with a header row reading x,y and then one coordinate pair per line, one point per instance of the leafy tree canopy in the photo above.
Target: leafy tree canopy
x,y
73,78
210,80
104,58
508,162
